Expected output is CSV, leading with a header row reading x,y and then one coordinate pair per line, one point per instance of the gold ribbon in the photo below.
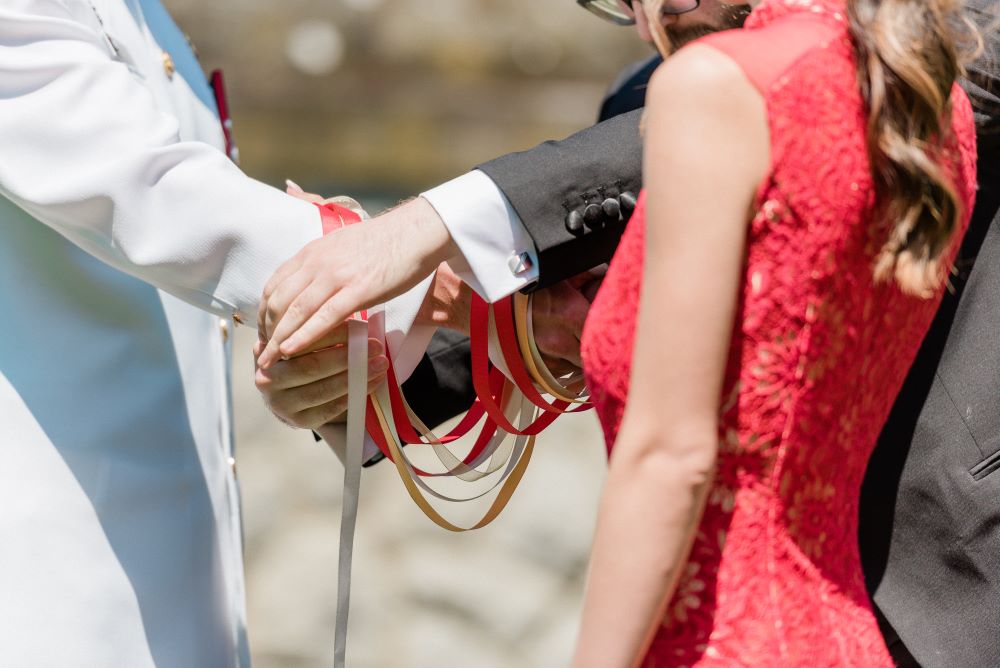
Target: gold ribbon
x,y
456,467
536,366
407,476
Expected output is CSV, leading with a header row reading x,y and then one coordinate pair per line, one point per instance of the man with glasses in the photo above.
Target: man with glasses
x,y
533,219
713,17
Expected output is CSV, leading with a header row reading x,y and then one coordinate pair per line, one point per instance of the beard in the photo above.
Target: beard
x,y
728,18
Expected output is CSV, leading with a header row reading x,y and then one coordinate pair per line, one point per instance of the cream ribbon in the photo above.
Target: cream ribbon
x,y
357,379
394,325
513,460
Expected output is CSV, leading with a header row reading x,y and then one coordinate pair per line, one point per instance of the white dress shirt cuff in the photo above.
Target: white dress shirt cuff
x,y
498,256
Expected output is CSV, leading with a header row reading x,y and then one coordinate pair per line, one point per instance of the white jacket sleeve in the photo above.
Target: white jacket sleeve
x,y
85,150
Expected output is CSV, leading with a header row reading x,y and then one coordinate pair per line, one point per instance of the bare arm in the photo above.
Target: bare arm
x,y
706,151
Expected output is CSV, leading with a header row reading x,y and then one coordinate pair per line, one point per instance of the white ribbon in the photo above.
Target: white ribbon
x,y
357,384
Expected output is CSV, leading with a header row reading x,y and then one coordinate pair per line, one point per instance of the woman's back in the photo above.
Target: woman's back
x,y
818,355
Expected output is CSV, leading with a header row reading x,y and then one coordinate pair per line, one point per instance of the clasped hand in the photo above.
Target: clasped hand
x,y
347,271
302,356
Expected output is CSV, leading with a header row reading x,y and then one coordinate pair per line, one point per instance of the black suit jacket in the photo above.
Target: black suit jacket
x,y
930,505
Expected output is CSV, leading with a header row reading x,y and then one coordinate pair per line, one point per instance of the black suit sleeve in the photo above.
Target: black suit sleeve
x,y
558,190
544,184
552,186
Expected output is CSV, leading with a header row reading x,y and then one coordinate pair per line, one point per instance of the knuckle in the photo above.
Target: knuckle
x,y
299,421
561,346
271,312
568,349
263,381
313,395
311,419
308,366
335,409
279,405
578,311
547,340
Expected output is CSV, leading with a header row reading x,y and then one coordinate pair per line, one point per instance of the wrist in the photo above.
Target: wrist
x,y
436,243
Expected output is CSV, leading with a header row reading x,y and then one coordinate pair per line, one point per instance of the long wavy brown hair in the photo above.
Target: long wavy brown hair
x,y
909,54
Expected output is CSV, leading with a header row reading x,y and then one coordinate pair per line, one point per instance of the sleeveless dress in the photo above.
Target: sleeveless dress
x,y
818,354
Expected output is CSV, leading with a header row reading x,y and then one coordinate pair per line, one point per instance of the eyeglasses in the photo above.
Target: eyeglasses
x,y
610,10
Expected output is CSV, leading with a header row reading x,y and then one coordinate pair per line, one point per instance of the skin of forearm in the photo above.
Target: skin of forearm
x,y
646,525
449,300
423,232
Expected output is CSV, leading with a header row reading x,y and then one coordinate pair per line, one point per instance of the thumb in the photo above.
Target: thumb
x,y
296,191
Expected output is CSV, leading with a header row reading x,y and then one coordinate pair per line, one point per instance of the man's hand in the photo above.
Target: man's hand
x,y
558,314
448,303
311,390
347,271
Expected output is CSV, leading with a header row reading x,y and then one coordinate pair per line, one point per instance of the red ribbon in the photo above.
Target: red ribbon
x,y
479,337
218,86
336,217
488,382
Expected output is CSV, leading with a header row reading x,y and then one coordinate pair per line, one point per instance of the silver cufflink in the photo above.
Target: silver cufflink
x,y
520,263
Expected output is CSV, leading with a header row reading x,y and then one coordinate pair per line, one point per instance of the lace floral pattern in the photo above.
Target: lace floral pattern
x,y
774,578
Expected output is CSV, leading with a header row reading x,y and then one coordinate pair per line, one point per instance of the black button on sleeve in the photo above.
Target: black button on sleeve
x,y
593,215
612,209
574,222
628,202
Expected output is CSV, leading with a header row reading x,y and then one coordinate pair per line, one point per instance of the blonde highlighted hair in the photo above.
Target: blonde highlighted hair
x,y
909,54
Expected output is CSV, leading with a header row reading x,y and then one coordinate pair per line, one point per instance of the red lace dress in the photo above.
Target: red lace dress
x,y
819,352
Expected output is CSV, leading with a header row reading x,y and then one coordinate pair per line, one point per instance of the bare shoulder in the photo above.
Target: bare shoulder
x,y
704,117
703,80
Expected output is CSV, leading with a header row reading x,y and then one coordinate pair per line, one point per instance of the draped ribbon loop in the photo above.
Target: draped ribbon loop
x,y
509,402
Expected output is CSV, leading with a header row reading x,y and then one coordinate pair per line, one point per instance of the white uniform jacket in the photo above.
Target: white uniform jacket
x,y
128,241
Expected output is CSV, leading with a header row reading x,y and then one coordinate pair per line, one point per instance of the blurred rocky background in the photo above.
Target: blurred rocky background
x,y
377,96
381,99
